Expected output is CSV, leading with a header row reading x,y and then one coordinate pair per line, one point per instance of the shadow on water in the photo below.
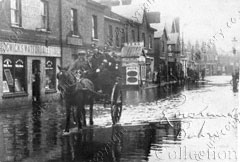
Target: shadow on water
x,y
128,143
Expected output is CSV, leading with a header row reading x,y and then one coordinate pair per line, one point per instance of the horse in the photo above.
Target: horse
x,y
76,93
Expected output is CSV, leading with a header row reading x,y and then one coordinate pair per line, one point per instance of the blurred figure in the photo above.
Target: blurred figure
x,y
203,74
235,80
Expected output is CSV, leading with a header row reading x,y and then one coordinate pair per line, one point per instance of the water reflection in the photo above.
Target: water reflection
x,y
36,134
132,143
36,127
136,96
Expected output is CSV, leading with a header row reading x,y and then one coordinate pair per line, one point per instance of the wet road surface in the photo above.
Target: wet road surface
x,y
194,123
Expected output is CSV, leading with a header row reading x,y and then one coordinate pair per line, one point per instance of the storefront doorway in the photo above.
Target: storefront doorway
x,y
36,80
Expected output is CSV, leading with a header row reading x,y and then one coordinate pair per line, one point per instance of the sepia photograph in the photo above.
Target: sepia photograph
x,y
119,80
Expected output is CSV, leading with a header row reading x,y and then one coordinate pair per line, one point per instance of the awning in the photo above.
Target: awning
x,y
132,51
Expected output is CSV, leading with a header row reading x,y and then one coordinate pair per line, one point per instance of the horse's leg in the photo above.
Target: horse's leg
x,y
91,110
74,117
79,117
68,113
84,114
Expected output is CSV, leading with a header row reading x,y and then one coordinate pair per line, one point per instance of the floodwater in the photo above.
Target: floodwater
x,y
194,123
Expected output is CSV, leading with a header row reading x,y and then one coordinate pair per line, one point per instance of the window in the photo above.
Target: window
x,y
117,37
150,41
110,30
16,12
143,39
127,35
50,70
163,46
74,24
123,36
94,27
14,75
133,36
44,14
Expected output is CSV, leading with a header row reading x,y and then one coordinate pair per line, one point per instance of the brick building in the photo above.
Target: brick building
x,y
160,45
136,32
29,51
82,26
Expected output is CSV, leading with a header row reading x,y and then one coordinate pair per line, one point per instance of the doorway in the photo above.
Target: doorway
x,y
36,80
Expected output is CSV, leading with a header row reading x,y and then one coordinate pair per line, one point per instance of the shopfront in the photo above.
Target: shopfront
x,y
28,73
134,64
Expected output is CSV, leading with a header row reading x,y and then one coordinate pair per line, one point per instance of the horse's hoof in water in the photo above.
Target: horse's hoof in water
x,y
66,133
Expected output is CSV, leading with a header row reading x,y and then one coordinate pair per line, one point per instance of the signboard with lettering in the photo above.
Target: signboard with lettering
x,y
29,49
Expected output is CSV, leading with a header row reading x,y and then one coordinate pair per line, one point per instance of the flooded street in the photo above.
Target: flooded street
x,y
193,123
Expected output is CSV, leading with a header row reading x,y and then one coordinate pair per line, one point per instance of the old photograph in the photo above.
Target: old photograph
x,y
119,80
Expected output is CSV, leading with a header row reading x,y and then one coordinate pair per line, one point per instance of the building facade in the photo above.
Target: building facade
x,y
38,35
29,51
130,39
82,27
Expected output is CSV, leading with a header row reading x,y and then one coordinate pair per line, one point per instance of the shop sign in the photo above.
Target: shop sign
x,y
74,41
28,49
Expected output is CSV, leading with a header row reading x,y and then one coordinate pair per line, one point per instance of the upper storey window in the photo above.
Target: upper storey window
x,y
74,23
94,27
44,15
16,13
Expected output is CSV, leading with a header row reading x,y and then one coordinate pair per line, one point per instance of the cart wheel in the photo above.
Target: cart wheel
x,y
116,106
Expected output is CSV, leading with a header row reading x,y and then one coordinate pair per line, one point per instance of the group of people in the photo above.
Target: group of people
x,y
99,67
171,74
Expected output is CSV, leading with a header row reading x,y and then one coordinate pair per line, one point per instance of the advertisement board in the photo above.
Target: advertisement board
x,y
132,74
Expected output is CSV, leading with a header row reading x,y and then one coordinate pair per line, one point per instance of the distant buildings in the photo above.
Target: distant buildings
x,y
167,50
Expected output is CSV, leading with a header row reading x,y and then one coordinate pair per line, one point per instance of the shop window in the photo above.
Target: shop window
x,y
16,12
50,68
74,23
14,74
44,15
94,27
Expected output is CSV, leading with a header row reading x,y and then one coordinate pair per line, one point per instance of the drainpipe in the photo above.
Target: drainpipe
x,y
60,31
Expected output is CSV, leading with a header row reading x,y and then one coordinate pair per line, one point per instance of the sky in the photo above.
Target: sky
x,y
202,19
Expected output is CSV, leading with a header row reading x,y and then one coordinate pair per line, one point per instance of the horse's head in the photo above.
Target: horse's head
x,y
65,78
